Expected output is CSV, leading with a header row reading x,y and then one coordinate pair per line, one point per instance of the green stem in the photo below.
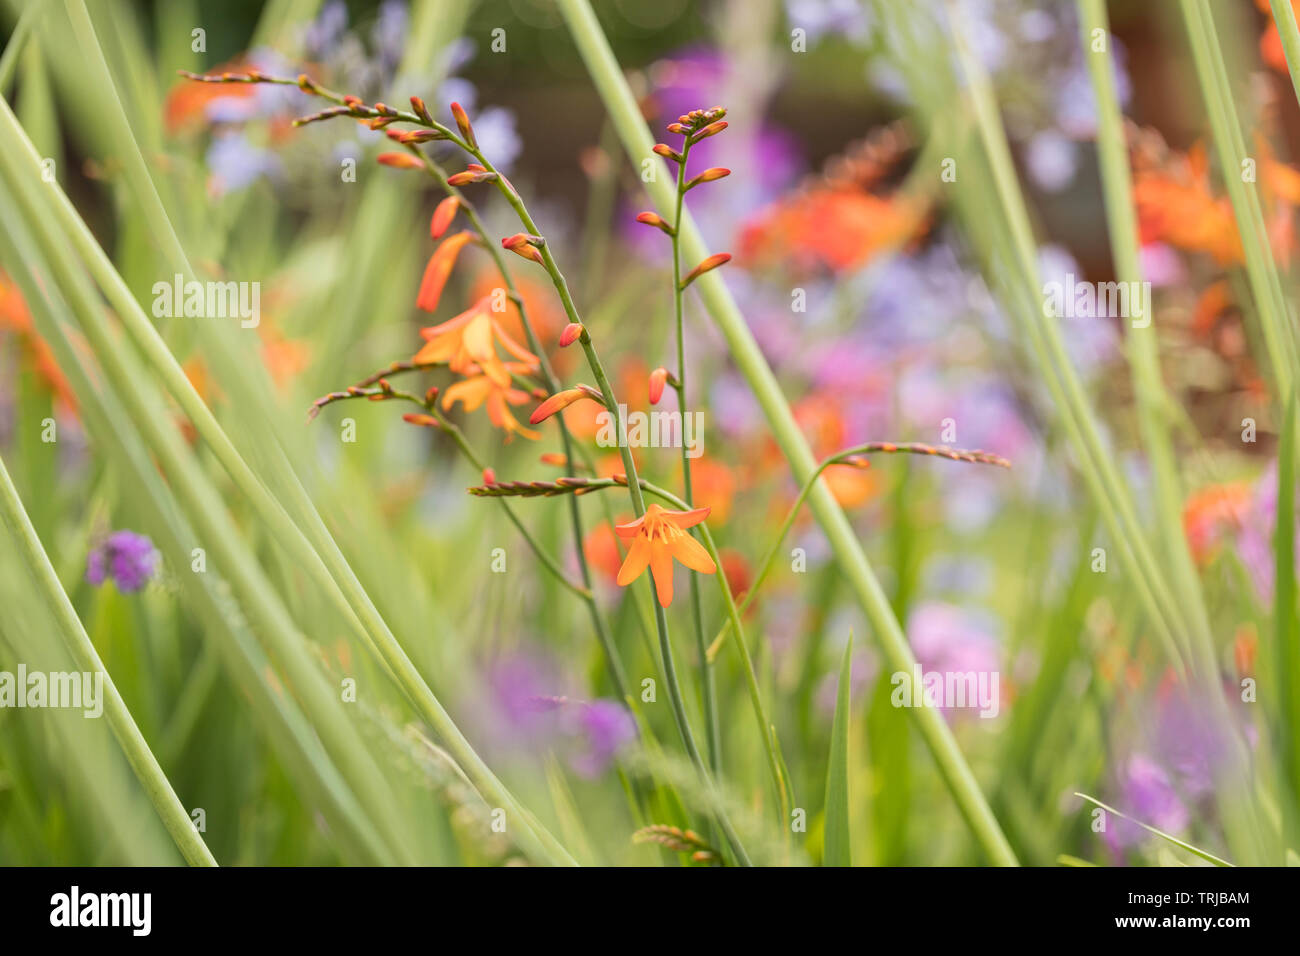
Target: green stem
x,y
1152,399
170,809
707,682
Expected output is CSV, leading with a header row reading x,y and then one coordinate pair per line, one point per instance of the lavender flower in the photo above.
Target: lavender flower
x,y
604,726
128,558
1147,794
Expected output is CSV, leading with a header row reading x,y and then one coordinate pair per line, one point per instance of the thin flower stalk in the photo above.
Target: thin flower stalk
x,y
854,456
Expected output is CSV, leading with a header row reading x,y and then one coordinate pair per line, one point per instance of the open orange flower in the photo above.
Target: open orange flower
x,y
658,536
479,387
467,340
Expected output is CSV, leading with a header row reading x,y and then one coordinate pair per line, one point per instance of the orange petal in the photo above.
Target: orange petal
x,y
438,270
629,529
687,519
471,391
638,556
692,554
661,566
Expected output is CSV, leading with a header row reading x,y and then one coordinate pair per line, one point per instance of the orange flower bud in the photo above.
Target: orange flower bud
x,y
654,219
521,244
677,128
421,110
462,120
713,129
562,400
399,160
708,176
443,215
667,152
658,379
489,476
570,334
416,418
471,175
554,458
712,262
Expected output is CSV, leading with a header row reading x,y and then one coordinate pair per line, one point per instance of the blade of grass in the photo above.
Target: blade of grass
x,y
836,848
1203,854
1286,626
1261,270
1153,401
159,789
327,565
296,742
214,525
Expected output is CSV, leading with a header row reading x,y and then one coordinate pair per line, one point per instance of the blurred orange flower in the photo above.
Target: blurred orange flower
x,y
836,228
1211,511
15,317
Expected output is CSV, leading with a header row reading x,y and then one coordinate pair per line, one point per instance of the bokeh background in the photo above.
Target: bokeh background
x,y
883,311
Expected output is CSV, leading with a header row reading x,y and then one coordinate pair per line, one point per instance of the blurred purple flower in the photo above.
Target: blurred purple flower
x,y
817,18
1052,160
235,163
952,640
389,33
1254,535
323,34
1147,794
128,558
603,727
1161,264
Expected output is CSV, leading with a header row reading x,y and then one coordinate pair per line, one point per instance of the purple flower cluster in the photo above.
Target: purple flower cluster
x,y
128,558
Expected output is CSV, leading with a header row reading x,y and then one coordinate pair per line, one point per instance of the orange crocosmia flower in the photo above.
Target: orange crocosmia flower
x,y
1245,649
850,487
833,227
601,548
1270,42
15,317
439,269
468,340
658,536
1176,205
479,388
1211,511
714,482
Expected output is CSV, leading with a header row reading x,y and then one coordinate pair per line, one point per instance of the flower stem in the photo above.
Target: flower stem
x,y
707,683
